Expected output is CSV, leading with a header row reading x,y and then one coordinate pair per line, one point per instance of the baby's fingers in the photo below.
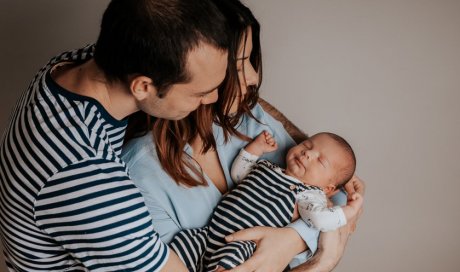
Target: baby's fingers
x,y
269,139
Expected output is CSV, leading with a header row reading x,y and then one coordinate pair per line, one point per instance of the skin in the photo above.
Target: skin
x,y
316,161
206,65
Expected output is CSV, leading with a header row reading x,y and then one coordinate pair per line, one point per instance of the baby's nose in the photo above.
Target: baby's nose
x,y
311,154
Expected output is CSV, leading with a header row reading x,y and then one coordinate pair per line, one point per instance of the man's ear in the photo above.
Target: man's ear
x,y
141,87
330,190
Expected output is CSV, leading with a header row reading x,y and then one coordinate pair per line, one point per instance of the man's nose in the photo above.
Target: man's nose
x,y
210,98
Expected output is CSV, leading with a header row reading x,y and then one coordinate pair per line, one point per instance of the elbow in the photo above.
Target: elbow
x,y
235,177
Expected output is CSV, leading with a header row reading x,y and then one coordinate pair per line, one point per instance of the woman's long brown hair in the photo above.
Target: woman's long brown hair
x,y
171,136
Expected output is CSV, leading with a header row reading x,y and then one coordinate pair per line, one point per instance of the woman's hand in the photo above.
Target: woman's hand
x,y
275,248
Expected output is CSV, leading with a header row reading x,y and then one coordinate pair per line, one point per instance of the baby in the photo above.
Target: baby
x,y
323,163
267,195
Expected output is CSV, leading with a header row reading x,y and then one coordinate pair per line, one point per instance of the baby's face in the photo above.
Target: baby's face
x,y
316,161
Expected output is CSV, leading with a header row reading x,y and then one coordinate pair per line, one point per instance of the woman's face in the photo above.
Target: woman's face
x,y
247,75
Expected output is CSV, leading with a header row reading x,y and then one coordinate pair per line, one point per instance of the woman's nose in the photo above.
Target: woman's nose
x,y
251,76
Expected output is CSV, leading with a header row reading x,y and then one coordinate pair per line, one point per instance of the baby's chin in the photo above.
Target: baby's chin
x,y
293,171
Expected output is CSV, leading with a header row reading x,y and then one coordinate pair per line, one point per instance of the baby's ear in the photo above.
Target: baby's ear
x,y
330,190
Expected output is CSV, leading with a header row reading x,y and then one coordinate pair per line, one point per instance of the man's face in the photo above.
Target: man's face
x,y
316,161
207,66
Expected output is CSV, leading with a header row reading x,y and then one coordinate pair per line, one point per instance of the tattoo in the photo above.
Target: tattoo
x,y
297,135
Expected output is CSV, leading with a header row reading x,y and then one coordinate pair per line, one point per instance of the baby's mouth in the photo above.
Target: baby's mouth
x,y
299,162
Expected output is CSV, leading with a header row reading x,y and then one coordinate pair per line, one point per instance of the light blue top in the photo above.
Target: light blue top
x,y
175,207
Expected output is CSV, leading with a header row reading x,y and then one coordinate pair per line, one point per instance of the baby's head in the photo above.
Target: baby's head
x,y
325,160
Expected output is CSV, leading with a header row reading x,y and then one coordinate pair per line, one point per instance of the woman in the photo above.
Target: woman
x,y
182,199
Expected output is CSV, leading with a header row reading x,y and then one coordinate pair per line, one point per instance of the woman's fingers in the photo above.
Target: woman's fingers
x,y
253,234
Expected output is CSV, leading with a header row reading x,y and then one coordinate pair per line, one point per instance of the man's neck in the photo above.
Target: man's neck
x,y
87,79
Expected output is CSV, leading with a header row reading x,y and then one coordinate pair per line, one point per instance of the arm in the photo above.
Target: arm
x,y
330,250
314,211
174,264
242,165
296,134
248,156
94,211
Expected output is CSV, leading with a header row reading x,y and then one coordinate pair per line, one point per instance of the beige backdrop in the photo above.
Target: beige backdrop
x,y
384,74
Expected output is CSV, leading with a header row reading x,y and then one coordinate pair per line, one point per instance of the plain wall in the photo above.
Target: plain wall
x,y
383,74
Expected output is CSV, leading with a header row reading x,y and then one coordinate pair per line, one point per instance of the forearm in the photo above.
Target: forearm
x,y
330,251
242,165
323,218
173,264
296,134
315,264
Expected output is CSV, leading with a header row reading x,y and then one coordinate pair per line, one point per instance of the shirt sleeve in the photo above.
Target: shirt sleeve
x,y
242,165
310,236
314,211
340,198
93,210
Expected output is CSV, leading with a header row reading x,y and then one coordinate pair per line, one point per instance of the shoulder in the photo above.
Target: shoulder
x,y
144,166
139,149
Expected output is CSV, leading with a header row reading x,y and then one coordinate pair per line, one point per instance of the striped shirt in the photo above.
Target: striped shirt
x,y
66,200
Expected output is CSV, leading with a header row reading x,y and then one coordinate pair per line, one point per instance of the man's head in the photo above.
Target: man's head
x,y
171,54
325,160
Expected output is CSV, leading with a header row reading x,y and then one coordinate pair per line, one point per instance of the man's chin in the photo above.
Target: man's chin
x,y
180,117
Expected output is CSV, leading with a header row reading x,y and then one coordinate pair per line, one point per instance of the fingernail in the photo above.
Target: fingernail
x,y
229,238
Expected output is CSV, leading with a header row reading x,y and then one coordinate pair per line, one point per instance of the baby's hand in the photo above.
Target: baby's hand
x,y
355,201
269,143
354,205
263,143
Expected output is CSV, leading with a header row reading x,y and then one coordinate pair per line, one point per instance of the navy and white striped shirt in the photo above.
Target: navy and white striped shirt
x,y
66,200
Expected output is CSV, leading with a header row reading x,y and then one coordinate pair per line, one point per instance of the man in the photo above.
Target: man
x,y
67,203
